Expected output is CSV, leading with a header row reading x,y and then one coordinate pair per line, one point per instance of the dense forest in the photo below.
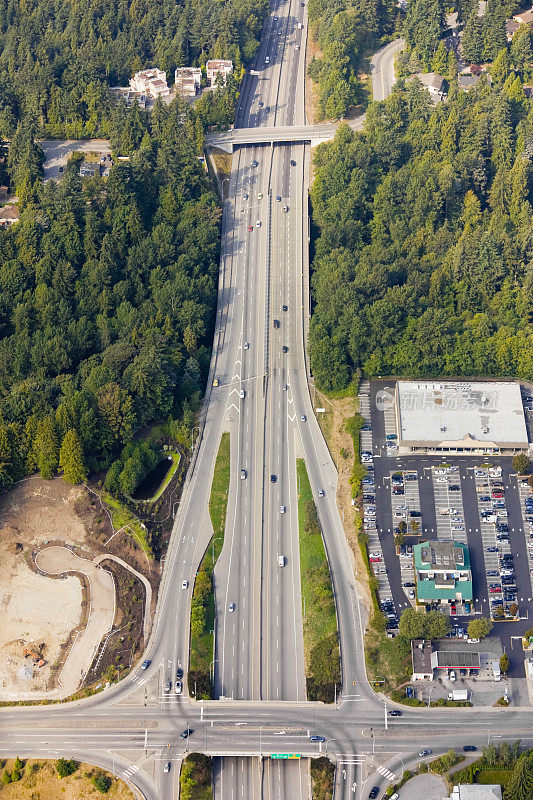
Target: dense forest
x,y
423,248
346,31
107,294
58,57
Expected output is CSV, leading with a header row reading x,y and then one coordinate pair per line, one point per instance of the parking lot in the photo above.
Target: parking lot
x,y
477,501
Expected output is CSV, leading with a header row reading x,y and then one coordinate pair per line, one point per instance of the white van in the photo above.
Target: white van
x,y
281,561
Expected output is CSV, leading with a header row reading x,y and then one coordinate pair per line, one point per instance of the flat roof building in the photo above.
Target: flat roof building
x,y
421,651
442,571
460,417
455,659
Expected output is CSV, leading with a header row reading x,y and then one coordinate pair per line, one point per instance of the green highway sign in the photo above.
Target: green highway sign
x,y
285,755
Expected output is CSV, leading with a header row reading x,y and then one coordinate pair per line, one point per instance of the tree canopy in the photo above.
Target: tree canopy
x,y
423,245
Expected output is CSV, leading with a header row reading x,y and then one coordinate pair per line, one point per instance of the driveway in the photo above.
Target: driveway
x,y
424,787
58,151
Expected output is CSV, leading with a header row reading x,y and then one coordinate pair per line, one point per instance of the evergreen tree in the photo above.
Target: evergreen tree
x,y
440,61
520,784
500,67
71,458
472,41
494,34
47,448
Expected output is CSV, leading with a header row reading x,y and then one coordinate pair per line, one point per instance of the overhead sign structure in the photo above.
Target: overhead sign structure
x,y
285,755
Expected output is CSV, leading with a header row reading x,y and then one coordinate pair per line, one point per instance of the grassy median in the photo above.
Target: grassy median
x,y
196,778
203,599
321,644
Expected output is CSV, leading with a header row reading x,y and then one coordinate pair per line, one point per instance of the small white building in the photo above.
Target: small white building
x,y
9,215
151,82
216,67
188,80
468,791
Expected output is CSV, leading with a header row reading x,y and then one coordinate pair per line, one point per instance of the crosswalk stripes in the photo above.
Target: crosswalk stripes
x,y
386,773
127,773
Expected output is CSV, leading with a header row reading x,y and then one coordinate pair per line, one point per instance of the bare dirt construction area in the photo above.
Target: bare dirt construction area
x,y
38,614
39,780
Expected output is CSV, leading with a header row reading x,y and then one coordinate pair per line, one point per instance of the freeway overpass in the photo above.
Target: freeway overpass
x,y
289,134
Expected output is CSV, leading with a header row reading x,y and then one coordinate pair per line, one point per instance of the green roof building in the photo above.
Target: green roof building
x,y
443,573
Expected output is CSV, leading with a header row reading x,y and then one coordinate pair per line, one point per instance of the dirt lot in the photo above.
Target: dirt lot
x,y
40,781
35,609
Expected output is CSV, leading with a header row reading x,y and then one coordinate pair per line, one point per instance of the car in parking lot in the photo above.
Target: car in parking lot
x,y
494,587
454,488
492,549
485,499
492,573
375,559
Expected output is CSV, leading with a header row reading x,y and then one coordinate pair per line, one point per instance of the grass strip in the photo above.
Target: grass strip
x,y
196,778
176,458
323,778
122,518
203,598
321,645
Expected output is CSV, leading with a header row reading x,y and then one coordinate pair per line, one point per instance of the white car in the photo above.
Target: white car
x,y
282,510
247,345
258,223
231,608
453,676
178,687
267,59
184,584
242,394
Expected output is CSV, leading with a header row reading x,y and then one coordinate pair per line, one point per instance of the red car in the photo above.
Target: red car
x,y
495,589
250,227
497,494
453,609
375,559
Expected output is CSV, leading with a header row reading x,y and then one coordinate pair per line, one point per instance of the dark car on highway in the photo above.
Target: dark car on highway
x,y
373,792
395,713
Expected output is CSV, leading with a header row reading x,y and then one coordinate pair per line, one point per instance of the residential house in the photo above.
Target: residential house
x,y
434,83
467,82
9,215
525,17
188,80
443,573
151,82
217,67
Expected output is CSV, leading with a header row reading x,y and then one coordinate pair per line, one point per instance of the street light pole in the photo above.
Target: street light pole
x,y
215,539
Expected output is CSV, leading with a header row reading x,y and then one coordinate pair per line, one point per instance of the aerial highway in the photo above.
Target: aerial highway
x,y
263,400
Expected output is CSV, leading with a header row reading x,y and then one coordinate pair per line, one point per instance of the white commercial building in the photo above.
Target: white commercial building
x,y
460,418
151,82
216,67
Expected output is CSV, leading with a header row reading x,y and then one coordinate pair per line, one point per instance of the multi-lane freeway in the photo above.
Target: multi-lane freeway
x,y
262,399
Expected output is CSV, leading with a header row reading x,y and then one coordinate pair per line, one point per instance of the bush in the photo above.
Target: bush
x,y
65,768
102,782
521,464
15,776
6,777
